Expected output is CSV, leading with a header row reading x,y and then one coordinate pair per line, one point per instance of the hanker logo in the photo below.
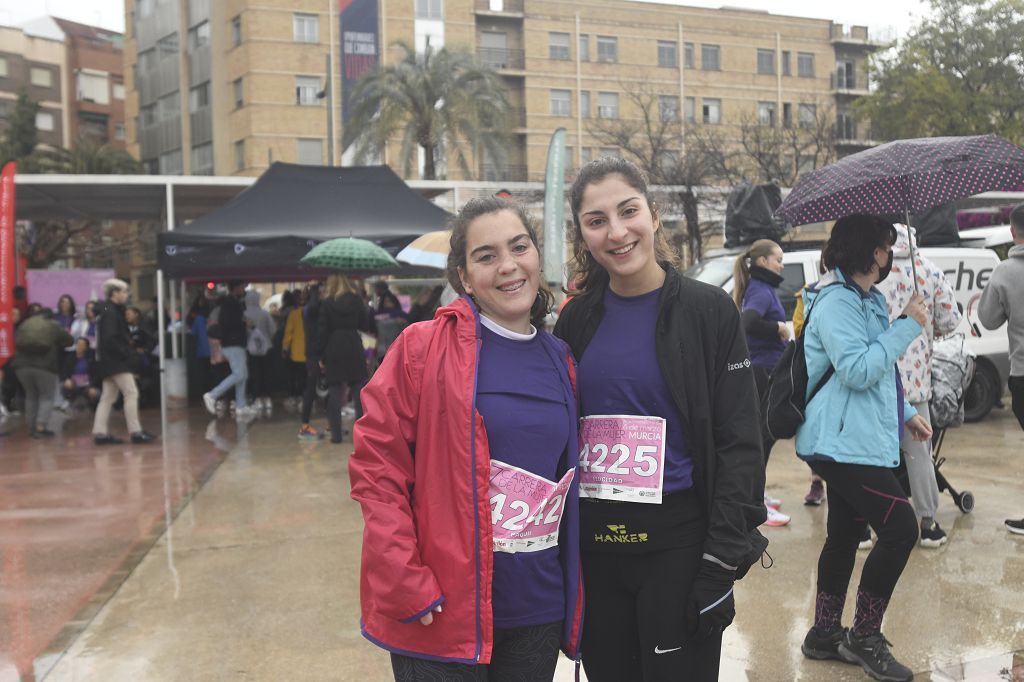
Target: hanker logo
x,y
619,534
739,365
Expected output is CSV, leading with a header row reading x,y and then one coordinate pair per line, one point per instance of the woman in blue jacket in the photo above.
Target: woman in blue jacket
x,y
851,439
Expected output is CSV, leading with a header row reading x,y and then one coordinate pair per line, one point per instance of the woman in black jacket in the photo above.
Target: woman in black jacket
x,y
343,315
672,475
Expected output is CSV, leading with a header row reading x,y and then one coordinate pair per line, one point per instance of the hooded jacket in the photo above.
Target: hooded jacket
x,y
421,471
702,353
258,318
1003,301
943,314
854,418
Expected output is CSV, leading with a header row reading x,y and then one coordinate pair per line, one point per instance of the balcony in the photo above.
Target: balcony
x,y
856,36
490,172
847,84
504,8
502,59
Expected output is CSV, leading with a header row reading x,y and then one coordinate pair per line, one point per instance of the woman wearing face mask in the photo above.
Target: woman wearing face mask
x,y
851,439
465,467
757,273
670,464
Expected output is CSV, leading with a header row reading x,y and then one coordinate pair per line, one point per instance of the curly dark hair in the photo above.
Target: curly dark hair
x,y
459,225
851,246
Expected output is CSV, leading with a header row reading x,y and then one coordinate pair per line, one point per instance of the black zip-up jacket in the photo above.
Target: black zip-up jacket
x,y
703,356
114,354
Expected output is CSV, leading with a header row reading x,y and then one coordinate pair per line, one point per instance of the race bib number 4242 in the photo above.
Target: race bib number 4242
x,y
622,458
526,509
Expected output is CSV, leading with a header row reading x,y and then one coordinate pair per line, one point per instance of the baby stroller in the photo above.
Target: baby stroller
x,y
952,372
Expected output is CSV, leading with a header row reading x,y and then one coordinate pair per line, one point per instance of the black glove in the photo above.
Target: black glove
x,y
711,607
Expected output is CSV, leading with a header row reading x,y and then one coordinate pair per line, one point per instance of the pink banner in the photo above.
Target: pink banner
x,y
45,287
7,262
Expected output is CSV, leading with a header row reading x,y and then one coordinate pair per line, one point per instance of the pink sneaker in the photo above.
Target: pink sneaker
x,y
772,502
776,518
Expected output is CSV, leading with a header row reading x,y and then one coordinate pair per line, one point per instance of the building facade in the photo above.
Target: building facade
x,y
228,87
35,64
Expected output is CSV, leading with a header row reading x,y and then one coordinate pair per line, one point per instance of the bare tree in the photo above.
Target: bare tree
x,y
671,152
781,153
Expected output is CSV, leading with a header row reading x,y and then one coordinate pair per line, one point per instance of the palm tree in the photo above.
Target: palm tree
x,y
438,100
88,156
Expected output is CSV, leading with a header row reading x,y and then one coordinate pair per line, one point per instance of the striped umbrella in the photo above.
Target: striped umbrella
x,y
429,250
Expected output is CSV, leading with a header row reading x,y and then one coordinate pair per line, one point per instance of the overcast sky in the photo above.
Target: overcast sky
x,y
881,16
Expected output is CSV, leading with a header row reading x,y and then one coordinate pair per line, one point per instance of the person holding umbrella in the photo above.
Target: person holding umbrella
x,y
851,436
465,465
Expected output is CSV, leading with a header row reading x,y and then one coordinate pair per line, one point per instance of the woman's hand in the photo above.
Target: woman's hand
x,y
429,618
783,331
919,428
917,310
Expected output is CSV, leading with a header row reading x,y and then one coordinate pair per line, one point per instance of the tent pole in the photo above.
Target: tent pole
x,y
182,309
174,296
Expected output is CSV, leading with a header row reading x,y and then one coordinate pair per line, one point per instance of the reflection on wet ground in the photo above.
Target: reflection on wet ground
x,y
257,577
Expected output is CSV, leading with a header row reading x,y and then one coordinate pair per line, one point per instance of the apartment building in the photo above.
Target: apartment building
x,y
34,62
227,87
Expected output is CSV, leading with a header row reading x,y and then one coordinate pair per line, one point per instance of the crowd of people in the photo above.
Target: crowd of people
x,y
508,474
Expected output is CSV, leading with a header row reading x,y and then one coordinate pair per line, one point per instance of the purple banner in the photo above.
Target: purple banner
x,y
360,47
47,286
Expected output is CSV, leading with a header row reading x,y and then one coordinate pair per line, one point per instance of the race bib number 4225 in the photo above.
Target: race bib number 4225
x,y
526,509
622,457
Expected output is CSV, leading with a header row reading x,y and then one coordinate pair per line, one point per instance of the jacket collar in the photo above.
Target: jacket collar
x,y
765,275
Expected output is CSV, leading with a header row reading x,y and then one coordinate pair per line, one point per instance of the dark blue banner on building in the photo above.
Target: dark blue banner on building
x,y
360,47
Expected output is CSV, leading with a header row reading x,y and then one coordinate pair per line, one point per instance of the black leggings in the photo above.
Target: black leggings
x,y
761,381
519,654
1016,385
260,369
309,391
859,495
635,627
337,394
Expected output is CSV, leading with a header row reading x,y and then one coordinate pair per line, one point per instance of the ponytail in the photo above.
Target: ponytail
x,y
740,277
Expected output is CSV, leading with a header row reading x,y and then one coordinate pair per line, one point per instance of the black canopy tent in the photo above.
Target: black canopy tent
x,y
263,232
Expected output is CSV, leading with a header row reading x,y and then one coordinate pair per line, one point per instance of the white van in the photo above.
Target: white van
x,y
968,270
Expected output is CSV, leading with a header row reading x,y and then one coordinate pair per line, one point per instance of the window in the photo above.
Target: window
x,y
170,163
306,89
236,31
429,9
306,28
607,49
711,110
168,107
93,87
236,89
688,56
787,115
558,46
147,115
585,104
846,71
807,115
584,48
690,109
119,131
199,35
40,77
805,65
847,125
586,155
668,161
766,62
607,105
118,89
785,63
710,58
667,56
199,97
202,159
168,46
3,67
5,108
310,151
561,104
146,60
44,121
668,107
766,114
612,152
240,155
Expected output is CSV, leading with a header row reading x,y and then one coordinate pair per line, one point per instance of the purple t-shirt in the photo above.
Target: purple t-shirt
x,y
521,397
761,297
619,374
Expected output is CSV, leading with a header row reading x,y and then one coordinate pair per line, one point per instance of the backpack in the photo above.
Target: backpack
x,y
258,343
35,337
783,406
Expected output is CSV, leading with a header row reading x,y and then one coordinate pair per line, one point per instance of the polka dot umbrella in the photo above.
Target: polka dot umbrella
x,y
349,255
904,177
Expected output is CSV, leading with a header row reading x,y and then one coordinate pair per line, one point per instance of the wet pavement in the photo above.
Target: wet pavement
x,y
231,552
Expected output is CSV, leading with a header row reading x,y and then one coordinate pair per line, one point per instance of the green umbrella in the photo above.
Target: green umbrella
x,y
349,254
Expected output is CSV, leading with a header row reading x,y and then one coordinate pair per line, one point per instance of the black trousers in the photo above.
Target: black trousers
x,y
520,655
635,627
260,368
1016,385
859,495
761,381
309,389
337,394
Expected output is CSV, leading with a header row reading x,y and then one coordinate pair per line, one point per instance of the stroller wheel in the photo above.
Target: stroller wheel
x,y
965,501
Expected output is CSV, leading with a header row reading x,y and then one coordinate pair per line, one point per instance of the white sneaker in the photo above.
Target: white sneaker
x,y
866,542
348,411
776,518
210,403
772,502
268,407
246,413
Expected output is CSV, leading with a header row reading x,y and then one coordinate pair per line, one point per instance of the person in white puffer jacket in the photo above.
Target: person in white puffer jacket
x,y
915,367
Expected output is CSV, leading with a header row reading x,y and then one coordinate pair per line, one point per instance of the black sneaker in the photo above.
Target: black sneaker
x,y
934,536
873,655
142,437
1015,526
822,644
106,439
